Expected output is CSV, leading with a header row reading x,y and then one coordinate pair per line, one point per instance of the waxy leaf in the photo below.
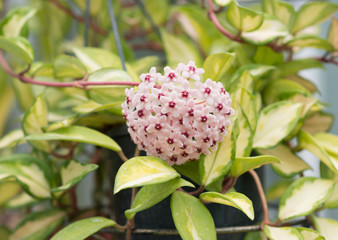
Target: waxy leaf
x,y
233,199
282,233
311,41
91,107
278,188
19,47
309,234
242,18
34,120
4,231
313,13
217,64
282,10
15,21
28,171
293,67
192,219
333,34
83,228
223,2
11,139
78,134
304,82
38,225
244,164
327,227
152,194
328,141
275,122
141,171
299,199
290,164
217,164
109,94
179,50
68,66
318,122
270,29
72,172
8,188
21,200
282,89
311,144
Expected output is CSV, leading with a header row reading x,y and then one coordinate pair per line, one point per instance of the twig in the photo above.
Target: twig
x,y
130,222
262,196
122,156
116,33
78,18
198,191
82,83
218,25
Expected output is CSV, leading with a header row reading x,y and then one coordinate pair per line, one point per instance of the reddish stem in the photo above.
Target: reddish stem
x,y
79,83
262,196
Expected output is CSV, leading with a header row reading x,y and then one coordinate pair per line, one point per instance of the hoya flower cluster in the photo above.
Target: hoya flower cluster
x,y
175,116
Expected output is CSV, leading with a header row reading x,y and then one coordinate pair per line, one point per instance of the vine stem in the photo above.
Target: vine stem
x,y
218,25
262,197
82,83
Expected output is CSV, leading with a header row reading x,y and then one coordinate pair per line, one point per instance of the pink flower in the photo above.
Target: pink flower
x,y
173,120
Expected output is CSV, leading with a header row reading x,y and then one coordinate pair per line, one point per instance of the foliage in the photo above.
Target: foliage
x,y
66,72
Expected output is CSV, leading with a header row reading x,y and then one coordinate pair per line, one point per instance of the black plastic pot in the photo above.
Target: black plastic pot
x,y
159,216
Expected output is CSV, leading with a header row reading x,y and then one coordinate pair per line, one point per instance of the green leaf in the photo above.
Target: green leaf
x,y
223,3
265,55
192,219
333,33
8,190
275,122
21,200
29,172
152,194
299,200
304,82
282,89
217,64
243,19
233,199
19,47
4,231
311,41
217,164
109,94
96,58
309,234
293,67
78,134
270,29
313,13
6,99
13,24
68,66
282,10
318,122
140,171
255,236
38,225
245,137
196,25
290,164
278,188
327,227
179,50
82,229
244,164
34,120
282,233
11,139
73,172
190,169
311,144
91,107
327,141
